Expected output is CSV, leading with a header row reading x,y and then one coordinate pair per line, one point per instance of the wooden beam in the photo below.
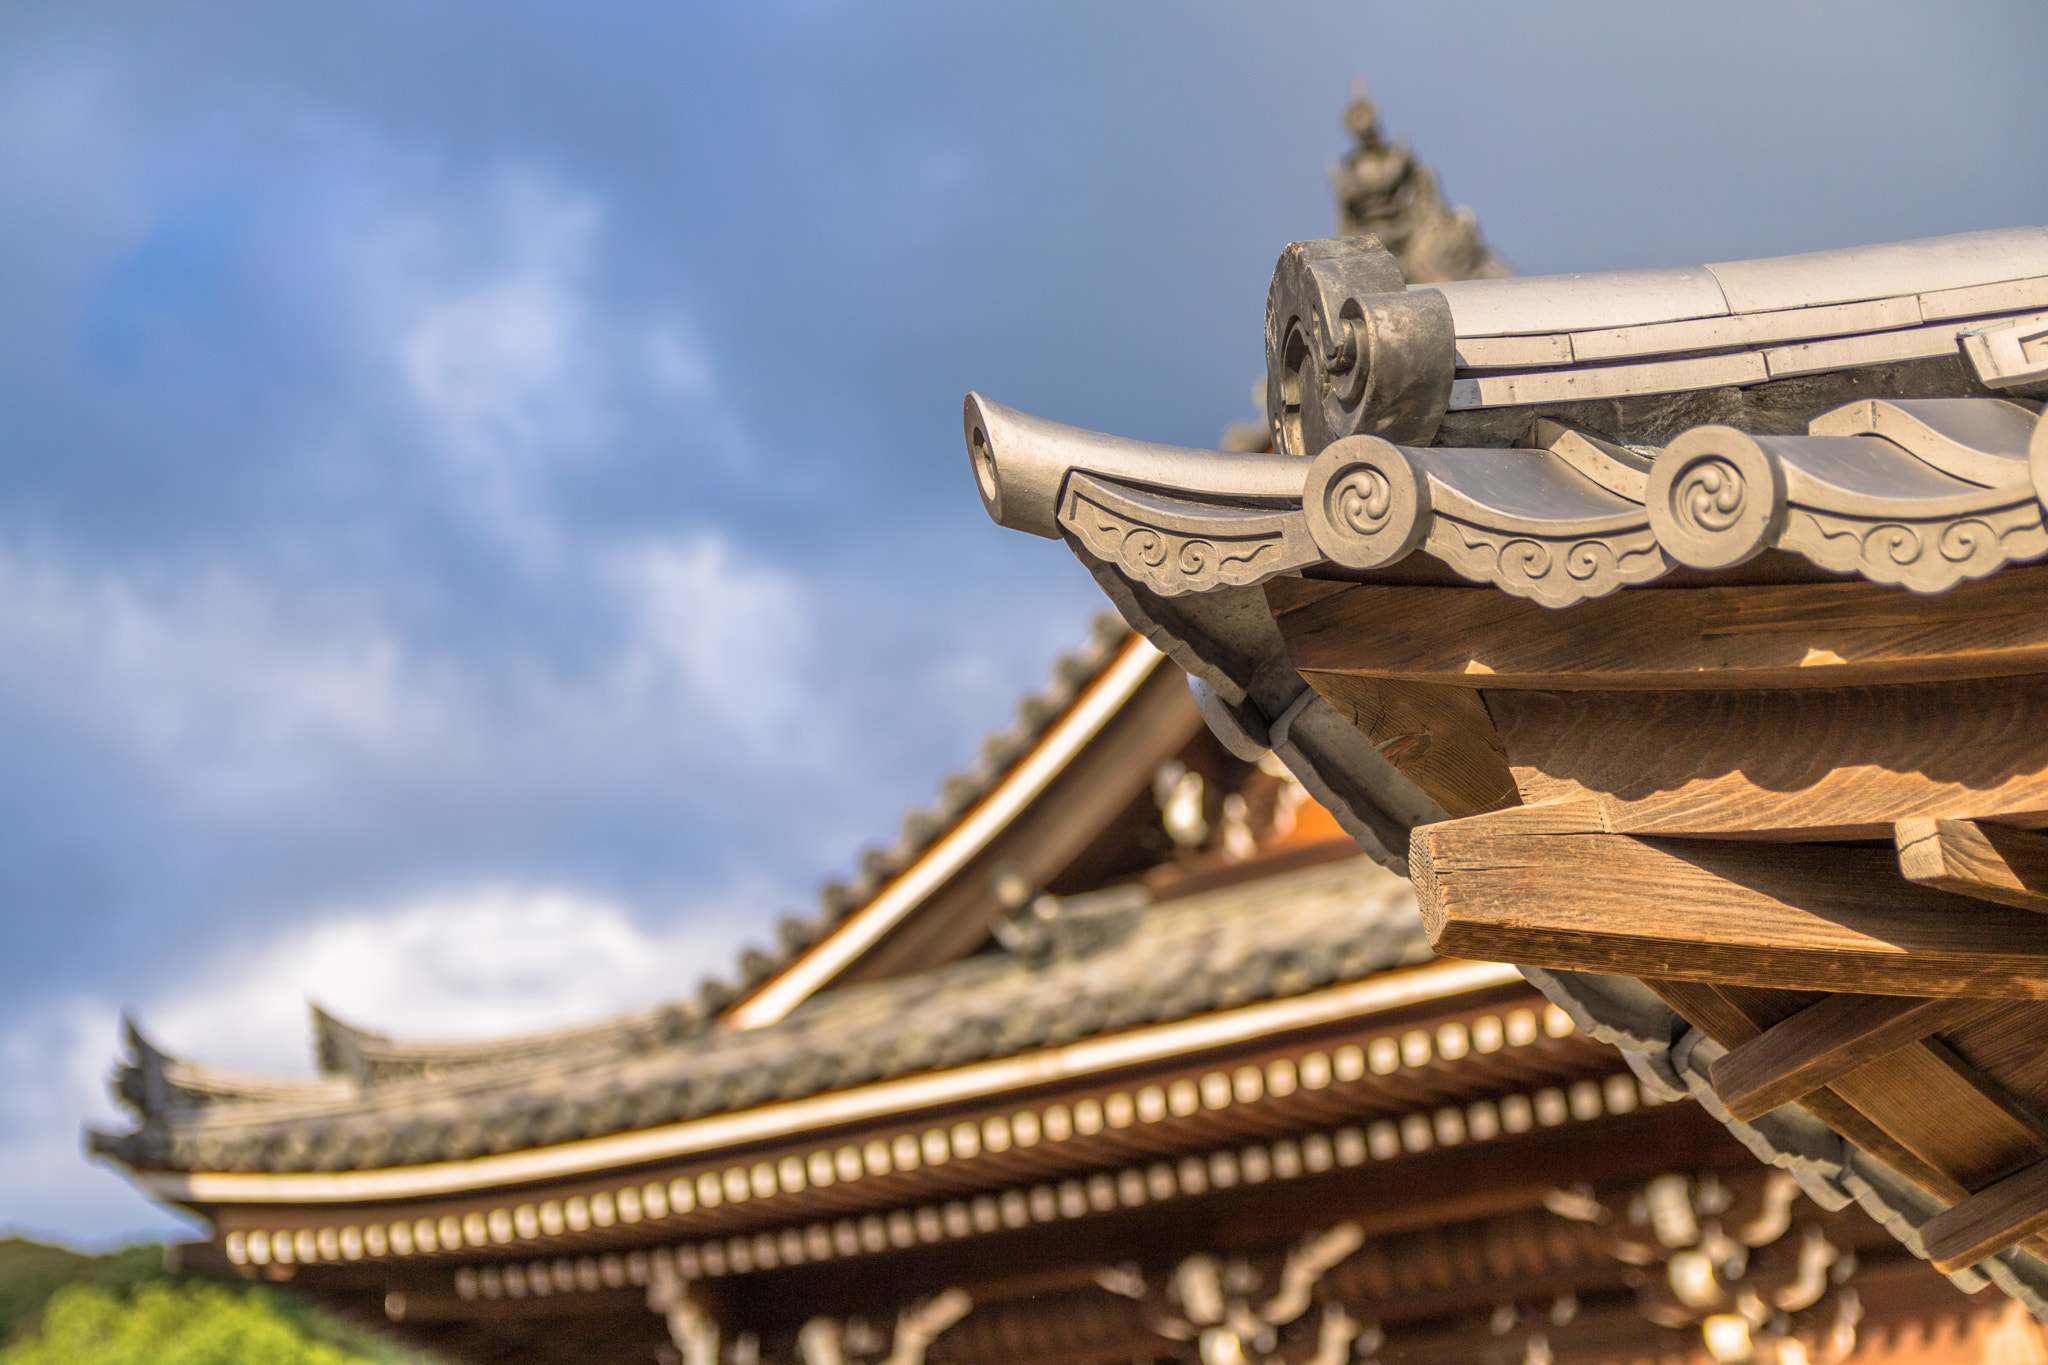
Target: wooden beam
x,y
1831,634
1990,862
1788,916
1440,737
1825,1042
2001,1215
1833,764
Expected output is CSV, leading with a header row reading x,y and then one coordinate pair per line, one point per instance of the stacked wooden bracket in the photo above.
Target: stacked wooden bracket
x,y
1697,600
1807,814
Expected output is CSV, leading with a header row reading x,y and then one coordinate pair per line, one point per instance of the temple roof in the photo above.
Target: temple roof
x,y
1720,453
1084,966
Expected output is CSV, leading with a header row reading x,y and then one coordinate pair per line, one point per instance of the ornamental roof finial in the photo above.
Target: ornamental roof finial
x,y
1382,191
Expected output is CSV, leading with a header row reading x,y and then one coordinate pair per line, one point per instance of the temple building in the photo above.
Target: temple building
x,y
1648,622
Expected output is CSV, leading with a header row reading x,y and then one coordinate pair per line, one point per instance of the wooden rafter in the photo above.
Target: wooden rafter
x,y
2003,1215
1920,1109
1735,1016
1441,738
1825,1042
2009,866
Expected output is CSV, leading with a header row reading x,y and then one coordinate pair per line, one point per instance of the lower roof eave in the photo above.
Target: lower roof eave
x,y
1091,1056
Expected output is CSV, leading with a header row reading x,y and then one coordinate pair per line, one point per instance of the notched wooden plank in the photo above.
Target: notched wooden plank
x,y
1837,764
1441,738
1990,862
1826,1041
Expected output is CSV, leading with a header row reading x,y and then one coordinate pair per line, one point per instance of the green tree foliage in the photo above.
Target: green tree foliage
x,y
31,1272
61,1307
164,1323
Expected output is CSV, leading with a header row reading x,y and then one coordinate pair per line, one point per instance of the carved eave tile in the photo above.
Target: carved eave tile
x,y
1880,508
1523,520
1177,546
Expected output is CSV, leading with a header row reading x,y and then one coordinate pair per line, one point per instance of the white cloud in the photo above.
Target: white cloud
x,y
505,364
479,962
482,961
240,693
713,634
203,672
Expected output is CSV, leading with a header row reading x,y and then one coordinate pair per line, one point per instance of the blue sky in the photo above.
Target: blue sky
x,y
483,526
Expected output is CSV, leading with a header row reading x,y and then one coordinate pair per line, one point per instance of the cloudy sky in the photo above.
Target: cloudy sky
x,y
482,519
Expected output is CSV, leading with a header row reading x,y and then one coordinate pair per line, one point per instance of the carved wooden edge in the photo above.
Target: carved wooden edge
x,y
1990,862
1828,1040
1787,765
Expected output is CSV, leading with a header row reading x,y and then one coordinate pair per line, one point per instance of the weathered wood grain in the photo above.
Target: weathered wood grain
x,y
1946,1113
1706,1008
1820,764
1288,592
1787,916
1752,636
1736,1015
2001,1215
1826,1041
2009,1044
1440,737
1993,863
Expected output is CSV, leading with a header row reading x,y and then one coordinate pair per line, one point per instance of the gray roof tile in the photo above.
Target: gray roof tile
x,y
1107,967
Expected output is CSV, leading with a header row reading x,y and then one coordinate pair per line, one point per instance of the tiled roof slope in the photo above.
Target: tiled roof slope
x,y
1105,962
